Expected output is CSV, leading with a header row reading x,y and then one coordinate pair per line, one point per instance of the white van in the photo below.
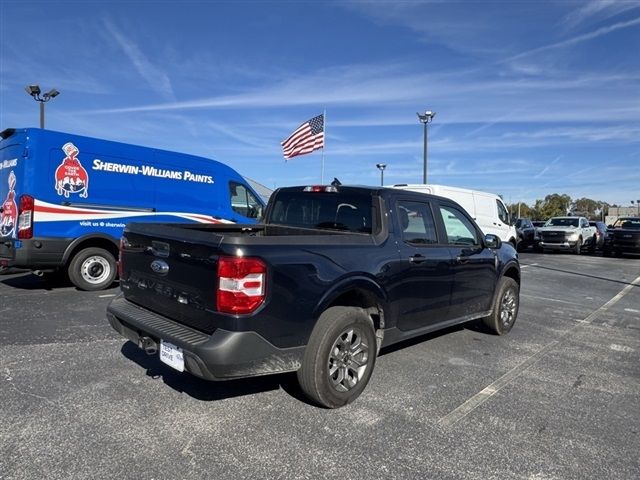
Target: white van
x,y
487,209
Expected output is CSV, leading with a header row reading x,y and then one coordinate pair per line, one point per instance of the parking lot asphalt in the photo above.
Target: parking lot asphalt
x,y
557,398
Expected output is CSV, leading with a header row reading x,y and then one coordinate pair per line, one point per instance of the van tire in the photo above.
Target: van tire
x,y
92,269
343,337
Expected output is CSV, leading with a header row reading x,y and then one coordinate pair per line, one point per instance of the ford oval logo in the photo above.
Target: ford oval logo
x,y
160,266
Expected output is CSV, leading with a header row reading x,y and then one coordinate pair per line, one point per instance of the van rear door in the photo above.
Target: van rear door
x,y
11,180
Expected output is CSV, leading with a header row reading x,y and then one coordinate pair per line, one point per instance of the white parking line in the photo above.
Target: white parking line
x,y
549,299
485,394
107,296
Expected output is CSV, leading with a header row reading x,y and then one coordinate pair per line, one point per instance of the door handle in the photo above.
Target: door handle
x,y
462,259
418,258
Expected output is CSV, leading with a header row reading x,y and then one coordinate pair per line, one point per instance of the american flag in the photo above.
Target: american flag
x,y
305,139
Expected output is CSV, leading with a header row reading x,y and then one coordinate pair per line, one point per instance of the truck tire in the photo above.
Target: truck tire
x,y
505,307
92,269
339,357
578,248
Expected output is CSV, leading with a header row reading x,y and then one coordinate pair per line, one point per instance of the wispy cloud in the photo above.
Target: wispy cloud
x,y
548,167
597,10
157,79
577,39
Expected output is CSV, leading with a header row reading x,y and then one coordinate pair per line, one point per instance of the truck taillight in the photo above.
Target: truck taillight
x,y
25,217
241,284
120,267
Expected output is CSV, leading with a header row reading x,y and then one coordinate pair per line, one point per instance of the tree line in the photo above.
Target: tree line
x,y
556,205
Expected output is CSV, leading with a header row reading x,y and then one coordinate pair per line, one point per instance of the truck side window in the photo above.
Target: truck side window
x,y
243,201
416,222
502,213
460,231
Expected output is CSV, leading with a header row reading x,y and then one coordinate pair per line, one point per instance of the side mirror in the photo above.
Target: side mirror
x,y
492,241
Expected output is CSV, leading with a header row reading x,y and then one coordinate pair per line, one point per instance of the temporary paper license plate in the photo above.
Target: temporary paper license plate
x,y
171,355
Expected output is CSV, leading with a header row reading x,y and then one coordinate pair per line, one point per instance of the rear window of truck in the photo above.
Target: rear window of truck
x,y
323,210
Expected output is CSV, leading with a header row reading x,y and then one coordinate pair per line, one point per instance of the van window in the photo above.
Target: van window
x,y
460,231
502,212
243,201
416,222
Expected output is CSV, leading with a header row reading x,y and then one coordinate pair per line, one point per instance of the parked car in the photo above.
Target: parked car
x,y
623,237
567,233
527,234
601,233
333,274
538,223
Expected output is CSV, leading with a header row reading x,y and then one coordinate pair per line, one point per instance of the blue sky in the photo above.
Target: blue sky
x,y
531,98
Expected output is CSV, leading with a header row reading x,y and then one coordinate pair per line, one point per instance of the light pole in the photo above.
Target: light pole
x,y
381,167
34,91
425,119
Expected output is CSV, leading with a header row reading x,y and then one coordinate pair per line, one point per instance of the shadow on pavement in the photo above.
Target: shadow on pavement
x,y
48,282
29,281
209,390
597,277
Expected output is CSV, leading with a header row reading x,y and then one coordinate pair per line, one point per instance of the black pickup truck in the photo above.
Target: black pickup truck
x,y
331,276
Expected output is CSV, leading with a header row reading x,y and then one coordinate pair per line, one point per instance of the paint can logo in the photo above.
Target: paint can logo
x,y
71,177
9,211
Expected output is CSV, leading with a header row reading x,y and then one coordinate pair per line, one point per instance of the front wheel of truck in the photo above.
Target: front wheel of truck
x,y
92,269
339,359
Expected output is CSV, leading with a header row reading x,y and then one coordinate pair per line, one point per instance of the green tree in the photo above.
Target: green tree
x,y
586,207
525,210
553,205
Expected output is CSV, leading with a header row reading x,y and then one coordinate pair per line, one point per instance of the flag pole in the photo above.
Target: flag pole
x,y
324,140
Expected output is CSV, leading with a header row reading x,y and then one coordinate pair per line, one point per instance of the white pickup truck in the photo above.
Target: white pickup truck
x,y
567,233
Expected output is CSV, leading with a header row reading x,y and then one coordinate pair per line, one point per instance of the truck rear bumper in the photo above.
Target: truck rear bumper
x,y
220,356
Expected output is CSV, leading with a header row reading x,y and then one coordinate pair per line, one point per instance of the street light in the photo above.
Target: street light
x,y
34,91
425,119
381,167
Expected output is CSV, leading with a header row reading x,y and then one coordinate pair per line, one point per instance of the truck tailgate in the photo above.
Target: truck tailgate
x,y
172,270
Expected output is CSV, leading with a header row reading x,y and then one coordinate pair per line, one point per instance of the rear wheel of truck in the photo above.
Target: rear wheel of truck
x,y
339,358
92,269
505,307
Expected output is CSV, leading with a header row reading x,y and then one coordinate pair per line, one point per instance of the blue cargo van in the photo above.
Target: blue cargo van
x,y
66,199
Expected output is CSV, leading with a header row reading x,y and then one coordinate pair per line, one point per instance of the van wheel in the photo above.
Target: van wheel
x,y
505,307
339,358
92,269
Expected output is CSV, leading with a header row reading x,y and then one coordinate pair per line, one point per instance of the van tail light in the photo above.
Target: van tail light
x,y
241,284
25,217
